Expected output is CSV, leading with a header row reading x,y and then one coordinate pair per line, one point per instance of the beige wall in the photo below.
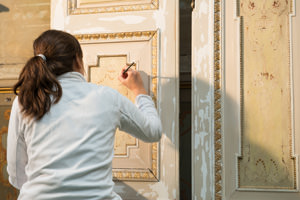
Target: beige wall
x,y
21,21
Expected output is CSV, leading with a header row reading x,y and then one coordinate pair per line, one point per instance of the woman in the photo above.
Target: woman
x,y
61,129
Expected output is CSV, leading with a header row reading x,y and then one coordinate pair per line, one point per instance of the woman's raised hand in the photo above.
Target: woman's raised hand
x,y
133,81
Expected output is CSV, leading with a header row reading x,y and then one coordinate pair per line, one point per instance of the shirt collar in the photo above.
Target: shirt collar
x,y
71,76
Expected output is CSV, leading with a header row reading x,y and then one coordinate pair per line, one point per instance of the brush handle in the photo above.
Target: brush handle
x,y
128,67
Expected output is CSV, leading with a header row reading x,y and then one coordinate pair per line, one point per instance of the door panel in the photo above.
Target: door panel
x,y
106,54
261,134
266,97
146,33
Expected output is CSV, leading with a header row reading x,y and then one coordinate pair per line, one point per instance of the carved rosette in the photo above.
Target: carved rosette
x,y
74,9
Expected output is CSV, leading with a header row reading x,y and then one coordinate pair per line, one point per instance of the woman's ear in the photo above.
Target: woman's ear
x,y
78,65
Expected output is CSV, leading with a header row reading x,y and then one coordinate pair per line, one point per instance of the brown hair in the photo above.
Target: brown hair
x,y
37,87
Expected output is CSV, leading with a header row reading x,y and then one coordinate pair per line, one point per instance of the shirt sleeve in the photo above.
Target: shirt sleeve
x,y
140,120
16,149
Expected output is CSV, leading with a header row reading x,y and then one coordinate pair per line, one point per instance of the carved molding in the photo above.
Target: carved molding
x,y
146,174
218,105
112,37
6,90
74,9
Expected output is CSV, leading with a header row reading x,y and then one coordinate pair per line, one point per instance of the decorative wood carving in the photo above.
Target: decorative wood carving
x,y
218,105
76,7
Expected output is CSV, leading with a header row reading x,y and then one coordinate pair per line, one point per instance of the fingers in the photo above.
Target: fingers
x,y
128,72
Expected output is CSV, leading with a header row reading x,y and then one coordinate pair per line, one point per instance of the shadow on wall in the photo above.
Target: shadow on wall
x,y
164,188
3,8
262,163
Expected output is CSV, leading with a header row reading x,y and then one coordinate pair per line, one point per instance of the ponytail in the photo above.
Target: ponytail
x,y
56,53
37,88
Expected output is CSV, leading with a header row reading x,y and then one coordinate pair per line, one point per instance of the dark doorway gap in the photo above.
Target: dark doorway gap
x,y
185,125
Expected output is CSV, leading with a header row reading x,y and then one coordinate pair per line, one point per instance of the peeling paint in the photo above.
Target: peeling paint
x,y
161,189
91,30
173,123
204,7
202,54
58,15
174,194
158,191
126,19
204,175
199,139
202,94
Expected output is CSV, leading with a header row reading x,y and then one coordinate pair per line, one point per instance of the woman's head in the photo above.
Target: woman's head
x,y
61,49
37,86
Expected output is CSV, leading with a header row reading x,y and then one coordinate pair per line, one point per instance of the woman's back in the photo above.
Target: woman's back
x,y
61,129
71,148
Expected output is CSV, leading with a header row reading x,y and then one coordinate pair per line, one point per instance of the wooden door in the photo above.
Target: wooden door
x,y
113,33
261,106
245,97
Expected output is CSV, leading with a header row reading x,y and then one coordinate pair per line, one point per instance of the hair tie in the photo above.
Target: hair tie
x,y
42,56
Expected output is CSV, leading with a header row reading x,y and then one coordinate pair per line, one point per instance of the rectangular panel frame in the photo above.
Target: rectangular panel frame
x,y
74,7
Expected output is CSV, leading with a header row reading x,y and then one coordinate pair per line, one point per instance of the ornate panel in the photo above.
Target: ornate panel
x,y
105,55
6,99
266,160
218,97
76,7
106,73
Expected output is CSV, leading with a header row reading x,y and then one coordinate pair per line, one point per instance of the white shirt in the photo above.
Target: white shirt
x,y
68,153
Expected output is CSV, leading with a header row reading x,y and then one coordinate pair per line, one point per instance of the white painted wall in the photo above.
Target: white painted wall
x,y
203,100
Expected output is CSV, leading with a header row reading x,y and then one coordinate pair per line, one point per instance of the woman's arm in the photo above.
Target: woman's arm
x,y
16,149
142,120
